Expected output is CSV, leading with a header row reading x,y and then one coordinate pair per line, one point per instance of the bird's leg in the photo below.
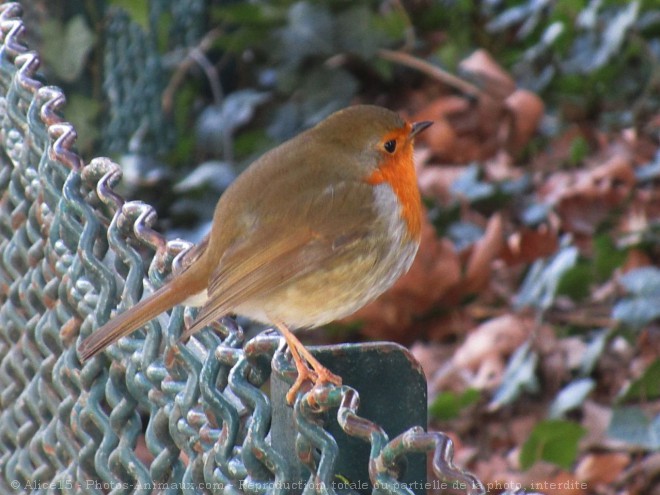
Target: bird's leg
x,y
304,360
304,373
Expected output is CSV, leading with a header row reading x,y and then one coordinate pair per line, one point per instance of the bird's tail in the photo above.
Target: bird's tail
x,y
127,322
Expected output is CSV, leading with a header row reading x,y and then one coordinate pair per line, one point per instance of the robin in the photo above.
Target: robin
x,y
309,233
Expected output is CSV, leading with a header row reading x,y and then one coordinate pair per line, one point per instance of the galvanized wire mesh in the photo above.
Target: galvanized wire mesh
x,y
134,73
149,415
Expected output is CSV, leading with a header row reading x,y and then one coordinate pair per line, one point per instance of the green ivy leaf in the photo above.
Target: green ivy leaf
x,y
579,150
636,312
644,286
650,171
633,426
68,46
250,14
570,397
647,386
607,257
355,32
470,186
541,285
448,405
593,50
519,376
392,24
554,441
82,112
576,281
137,10
642,281
309,32
594,350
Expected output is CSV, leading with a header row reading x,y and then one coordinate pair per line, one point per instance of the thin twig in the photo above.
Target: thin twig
x,y
586,318
211,74
430,70
194,56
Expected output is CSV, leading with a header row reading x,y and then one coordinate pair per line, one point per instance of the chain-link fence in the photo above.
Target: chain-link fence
x,y
151,415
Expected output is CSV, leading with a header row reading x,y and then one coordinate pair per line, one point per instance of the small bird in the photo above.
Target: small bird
x,y
309,233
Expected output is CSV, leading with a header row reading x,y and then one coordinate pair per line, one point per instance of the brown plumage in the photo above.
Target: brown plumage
x,y
310,232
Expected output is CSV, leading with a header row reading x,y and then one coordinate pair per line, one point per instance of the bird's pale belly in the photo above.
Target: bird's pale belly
x,y
350,281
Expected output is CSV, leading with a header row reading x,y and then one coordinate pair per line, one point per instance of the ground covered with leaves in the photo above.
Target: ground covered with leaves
x,y
534,302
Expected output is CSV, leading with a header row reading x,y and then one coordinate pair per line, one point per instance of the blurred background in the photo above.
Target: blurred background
x,y
533,303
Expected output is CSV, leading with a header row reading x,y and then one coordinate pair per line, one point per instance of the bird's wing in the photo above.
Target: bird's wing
x,y
327,227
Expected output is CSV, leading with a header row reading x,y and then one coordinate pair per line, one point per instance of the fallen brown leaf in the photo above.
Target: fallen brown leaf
x,y
601,469
636,258
527,244
441,136
490,117
435,182
485,350
490,75
431,356
485,250
526,109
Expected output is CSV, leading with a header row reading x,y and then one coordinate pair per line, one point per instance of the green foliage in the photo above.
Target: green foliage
x,y
448,405
68,46
83,112
632,425
554,441
138,10
607,257
650,171
594,350
576,281
291,44
646,387
217,124
483,196
641,307
443,217
579,150
186,140
519,376
541,286
571,397
245,15
581,53
470,186
570,275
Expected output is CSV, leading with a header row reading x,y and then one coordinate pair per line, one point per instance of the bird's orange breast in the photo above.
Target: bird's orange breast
x,y
399,172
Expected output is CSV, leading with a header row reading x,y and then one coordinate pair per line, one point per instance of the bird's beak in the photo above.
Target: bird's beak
x,y
418,127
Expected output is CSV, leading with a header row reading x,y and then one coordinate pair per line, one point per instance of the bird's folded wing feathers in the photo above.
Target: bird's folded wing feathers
x,y
273,257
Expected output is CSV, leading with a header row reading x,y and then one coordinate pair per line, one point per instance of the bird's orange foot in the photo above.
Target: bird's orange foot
x,y
308,367
304,374
315,373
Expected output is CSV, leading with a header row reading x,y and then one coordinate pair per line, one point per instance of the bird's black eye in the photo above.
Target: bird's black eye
x,y
390,146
